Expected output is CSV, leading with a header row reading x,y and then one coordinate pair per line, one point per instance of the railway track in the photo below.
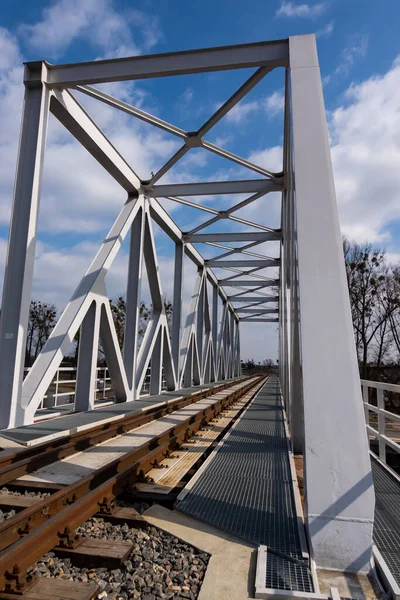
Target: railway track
x,y
136,444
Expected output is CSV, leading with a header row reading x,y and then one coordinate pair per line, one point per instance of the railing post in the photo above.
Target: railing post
x,y
381,425
56,394
365,402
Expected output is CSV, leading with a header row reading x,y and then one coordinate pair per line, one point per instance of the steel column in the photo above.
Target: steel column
x,y
338,480
177,305
132,315
86,373
22,245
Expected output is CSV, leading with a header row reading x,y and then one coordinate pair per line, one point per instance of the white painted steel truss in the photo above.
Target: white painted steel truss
x,y
208,348
309,300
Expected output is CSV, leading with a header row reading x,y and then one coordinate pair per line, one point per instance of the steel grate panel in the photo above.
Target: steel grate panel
x,y
283,574
247,490
387,517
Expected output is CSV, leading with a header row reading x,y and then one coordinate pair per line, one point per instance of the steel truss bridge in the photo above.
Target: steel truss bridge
x,y
305,292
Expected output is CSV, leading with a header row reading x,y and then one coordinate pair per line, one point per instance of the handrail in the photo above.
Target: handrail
x,y
67,396
381,433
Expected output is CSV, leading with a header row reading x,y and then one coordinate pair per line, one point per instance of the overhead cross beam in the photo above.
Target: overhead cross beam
x,y
254,299
214,188
249,283
258,311
255,236
243,264
268,54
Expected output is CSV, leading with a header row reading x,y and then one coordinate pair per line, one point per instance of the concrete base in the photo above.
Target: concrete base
x,y
231,571
341,543
349,585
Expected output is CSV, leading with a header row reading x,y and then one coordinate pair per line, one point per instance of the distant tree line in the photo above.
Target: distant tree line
x,y
250,366
43,319
374,290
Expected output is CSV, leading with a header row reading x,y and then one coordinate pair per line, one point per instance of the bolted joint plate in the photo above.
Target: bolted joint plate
x,y
193,140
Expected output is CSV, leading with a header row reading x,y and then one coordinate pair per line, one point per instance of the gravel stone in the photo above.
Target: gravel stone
x,y
5,490
160,566
10,513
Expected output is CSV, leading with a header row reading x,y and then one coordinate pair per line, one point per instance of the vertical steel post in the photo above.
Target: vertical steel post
x,y
295,399
214,328
132,317
177,306
200,330
231,345
338,480
21,246
86,373
381,425
156,365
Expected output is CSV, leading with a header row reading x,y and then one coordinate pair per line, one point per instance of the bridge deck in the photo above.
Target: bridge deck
x,y
246,488
387,517
30,435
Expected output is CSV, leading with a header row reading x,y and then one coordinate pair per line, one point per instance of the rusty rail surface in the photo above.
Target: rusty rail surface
x,y
16,463
34,531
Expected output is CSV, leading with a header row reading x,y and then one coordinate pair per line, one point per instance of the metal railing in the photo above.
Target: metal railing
x,y
383,425
61,391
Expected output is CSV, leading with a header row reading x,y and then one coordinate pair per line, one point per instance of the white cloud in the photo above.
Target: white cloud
x,y
327,30
290,9
275,103
96,21
356,49
9,50
393,258
11,97
81,198
240,112
270,158
365,136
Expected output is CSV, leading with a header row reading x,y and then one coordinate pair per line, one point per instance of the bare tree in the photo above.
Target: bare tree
x,y
42,320
118,309
372,300
393,293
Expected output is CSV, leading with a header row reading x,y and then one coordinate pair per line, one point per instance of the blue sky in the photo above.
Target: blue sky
x,y
358,45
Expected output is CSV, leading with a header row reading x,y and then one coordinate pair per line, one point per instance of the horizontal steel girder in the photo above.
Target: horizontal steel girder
x,y
214,187
248,299
272,54
233,237
243,264
252,320
258,311
248,283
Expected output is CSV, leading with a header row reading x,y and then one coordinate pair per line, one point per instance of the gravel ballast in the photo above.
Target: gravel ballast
x,y
160,565
7,514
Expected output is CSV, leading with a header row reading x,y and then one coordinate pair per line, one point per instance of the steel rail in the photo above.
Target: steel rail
x,y
16,463
28,535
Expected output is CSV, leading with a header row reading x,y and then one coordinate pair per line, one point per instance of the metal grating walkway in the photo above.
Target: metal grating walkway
x,y
387,517
246,490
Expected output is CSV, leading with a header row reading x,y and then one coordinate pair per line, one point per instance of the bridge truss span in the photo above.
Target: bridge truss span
x,y
300,285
